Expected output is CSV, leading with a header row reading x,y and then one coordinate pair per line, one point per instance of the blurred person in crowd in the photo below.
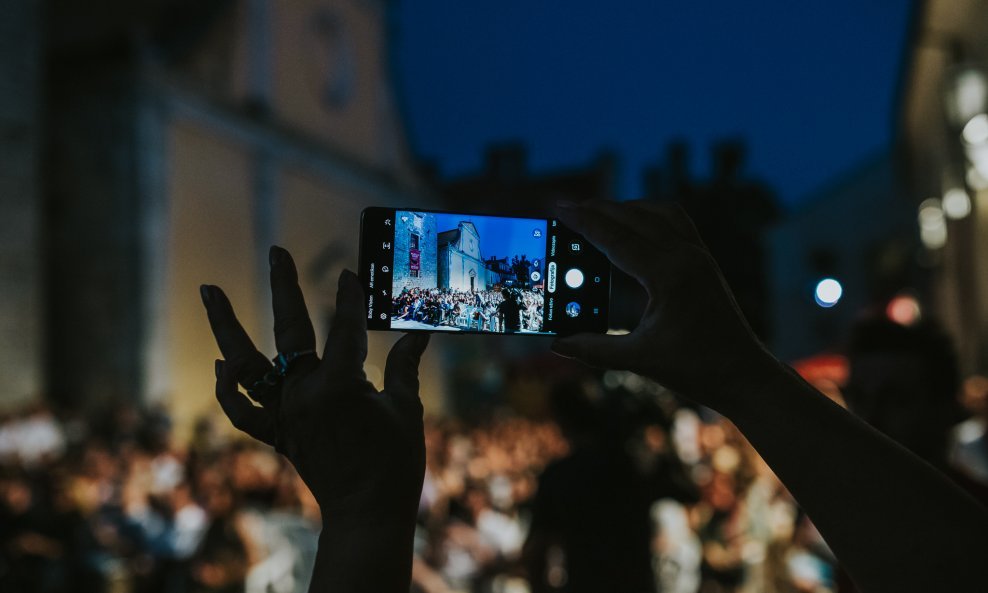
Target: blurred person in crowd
x,y
29,547
31,438
904,381
222,558
509,312
590,523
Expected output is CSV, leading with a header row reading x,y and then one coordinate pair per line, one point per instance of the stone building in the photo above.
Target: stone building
x,y
21,249
498,271
506,184
461,264
942,129
415,254
180,140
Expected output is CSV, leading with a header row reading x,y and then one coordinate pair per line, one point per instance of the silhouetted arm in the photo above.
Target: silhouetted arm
x,y
359,450
893,521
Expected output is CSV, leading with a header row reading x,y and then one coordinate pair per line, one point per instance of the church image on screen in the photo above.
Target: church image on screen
x,y
457,272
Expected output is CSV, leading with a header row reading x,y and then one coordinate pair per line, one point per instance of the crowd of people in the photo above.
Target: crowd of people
x,y
739,532
114,505
117,504
496,310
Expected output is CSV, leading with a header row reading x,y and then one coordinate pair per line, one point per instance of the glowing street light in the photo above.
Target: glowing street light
x,y
975,179
828,292
966,93
904,310
975,131
956,203
932,224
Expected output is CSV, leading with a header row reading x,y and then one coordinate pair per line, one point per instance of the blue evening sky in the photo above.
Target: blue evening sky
x,y
810,86
501,236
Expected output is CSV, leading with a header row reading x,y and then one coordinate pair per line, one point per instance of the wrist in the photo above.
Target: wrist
x,y
744,387
361,550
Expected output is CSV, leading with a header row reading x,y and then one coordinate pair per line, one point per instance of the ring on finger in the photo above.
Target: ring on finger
x,y
284,360
272,379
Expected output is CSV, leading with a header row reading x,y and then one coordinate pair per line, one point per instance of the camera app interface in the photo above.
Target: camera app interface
x,y
456,272
448,272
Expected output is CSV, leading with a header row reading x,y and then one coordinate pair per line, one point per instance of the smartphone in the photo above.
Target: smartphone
x,y
434,271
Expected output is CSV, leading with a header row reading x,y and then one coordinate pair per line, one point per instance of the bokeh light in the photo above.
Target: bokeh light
x,y
828,292
976,131
903,309
956,203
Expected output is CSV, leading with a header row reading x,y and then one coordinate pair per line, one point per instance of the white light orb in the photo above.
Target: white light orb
x,y
934,237
975,179
956,203
976,130
978,156
969,94
931,214
828,292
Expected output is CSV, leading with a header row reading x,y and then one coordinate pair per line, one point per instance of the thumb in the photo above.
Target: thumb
x,y
597,350
401,373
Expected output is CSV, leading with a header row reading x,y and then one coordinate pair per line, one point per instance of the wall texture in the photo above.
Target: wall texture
x,y
20,225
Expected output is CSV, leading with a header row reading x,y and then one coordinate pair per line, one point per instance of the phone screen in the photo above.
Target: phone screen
x,y
456,272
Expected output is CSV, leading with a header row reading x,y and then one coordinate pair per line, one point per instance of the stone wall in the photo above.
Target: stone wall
x,y
423,225
21,306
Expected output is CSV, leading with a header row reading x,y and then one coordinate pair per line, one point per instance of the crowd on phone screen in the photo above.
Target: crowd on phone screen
x,y
118,505
483,310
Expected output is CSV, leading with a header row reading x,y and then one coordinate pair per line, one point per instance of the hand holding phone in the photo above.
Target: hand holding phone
x,y
692,337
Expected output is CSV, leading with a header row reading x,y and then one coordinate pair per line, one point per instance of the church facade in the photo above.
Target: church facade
x,y
177,159
461,264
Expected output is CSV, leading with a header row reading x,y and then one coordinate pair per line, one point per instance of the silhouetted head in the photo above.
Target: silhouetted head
x,y
904,381
577,410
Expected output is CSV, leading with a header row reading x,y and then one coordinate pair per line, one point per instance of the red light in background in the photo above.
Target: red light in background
x,y
903,309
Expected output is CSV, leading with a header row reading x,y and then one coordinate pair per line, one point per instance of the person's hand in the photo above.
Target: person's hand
x,y
359,450
692,337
